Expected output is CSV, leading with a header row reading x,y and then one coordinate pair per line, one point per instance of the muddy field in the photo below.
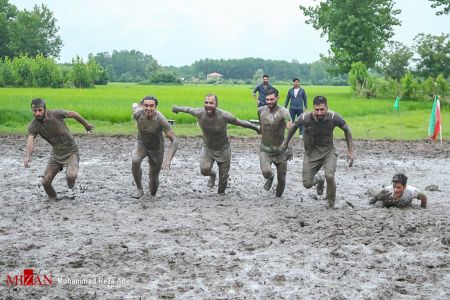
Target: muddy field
x,y
189,242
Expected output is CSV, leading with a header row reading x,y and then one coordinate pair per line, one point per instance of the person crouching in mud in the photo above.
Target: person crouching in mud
x,y
399,194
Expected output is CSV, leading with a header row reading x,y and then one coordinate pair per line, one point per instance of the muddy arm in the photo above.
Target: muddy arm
x,y
292,129
349,141
29,150
76,116
423,200
172,150
246,124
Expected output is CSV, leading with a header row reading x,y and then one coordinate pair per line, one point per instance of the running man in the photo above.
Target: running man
x,y
50,125
216,146
150,143
319,148
273,120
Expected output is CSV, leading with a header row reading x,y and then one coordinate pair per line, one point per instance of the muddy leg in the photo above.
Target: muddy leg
x,y
137,157
265,162
206,165
155,169
330,170
49,174
281,177
224,169
72,170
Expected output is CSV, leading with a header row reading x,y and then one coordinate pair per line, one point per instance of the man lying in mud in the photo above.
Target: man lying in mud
x,y
50,125
273,120
150,143
399,194
319,148
216,146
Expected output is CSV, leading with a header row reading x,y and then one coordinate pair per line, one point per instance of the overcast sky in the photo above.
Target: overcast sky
x,y
179,32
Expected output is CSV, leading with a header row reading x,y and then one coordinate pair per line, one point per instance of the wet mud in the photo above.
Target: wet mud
x,y
189,242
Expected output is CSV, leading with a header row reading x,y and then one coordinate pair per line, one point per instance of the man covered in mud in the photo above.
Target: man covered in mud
x,y
319,148
216,146
273,120
49,124
399,194
150,143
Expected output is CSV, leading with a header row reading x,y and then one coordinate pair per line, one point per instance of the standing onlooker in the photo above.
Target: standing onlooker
x,y
297,97
261,89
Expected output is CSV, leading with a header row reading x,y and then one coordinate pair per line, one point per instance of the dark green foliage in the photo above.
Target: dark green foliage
x,y
357,30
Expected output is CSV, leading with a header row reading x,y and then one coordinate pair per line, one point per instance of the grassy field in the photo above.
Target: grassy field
x,y
109,109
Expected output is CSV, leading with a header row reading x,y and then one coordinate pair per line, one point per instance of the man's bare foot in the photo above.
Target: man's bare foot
x,y
138,194
268,184
211,181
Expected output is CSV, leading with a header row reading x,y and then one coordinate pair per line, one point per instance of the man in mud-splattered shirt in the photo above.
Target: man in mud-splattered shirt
x,y
150,143
399,194
49,124
319,148
273,120
216,147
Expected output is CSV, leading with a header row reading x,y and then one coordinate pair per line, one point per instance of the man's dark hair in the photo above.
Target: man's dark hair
x,y
320,100
215,98
400,178
271,91
38,102
149,98
295,79
265,75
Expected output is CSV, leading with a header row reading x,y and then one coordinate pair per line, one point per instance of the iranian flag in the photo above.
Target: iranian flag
x,y
435,120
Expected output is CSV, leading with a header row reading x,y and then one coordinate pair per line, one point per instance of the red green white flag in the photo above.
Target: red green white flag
x,y
435,120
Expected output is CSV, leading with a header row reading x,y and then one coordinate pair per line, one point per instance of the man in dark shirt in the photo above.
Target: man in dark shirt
x,y
319,148
216,147
261,89
49,124
296,96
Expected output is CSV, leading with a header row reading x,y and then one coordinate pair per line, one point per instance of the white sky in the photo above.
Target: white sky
x,y
179,32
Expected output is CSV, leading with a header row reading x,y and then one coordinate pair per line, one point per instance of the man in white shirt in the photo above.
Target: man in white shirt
x,y
399,194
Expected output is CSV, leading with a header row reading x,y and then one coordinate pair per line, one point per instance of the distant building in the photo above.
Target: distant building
x,y
213,76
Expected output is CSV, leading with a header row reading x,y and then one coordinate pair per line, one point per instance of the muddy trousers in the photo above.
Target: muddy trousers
x,y
311,168
280,162
155,161
206,165
54,166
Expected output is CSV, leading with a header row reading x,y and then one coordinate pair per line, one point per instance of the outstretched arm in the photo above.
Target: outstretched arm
x,y
29,150
246,124
76,116
187,110
173,148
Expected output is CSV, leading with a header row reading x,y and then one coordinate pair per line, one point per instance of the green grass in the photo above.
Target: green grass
x,y
109,109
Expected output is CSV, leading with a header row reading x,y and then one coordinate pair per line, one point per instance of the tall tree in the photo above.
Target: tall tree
x,y
357,30
7,14
395,61
434,52
35,32
445,9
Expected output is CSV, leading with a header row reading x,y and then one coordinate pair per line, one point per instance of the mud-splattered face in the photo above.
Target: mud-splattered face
x,y
271,101
39,112
149,107
398,189
320,111
210,105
